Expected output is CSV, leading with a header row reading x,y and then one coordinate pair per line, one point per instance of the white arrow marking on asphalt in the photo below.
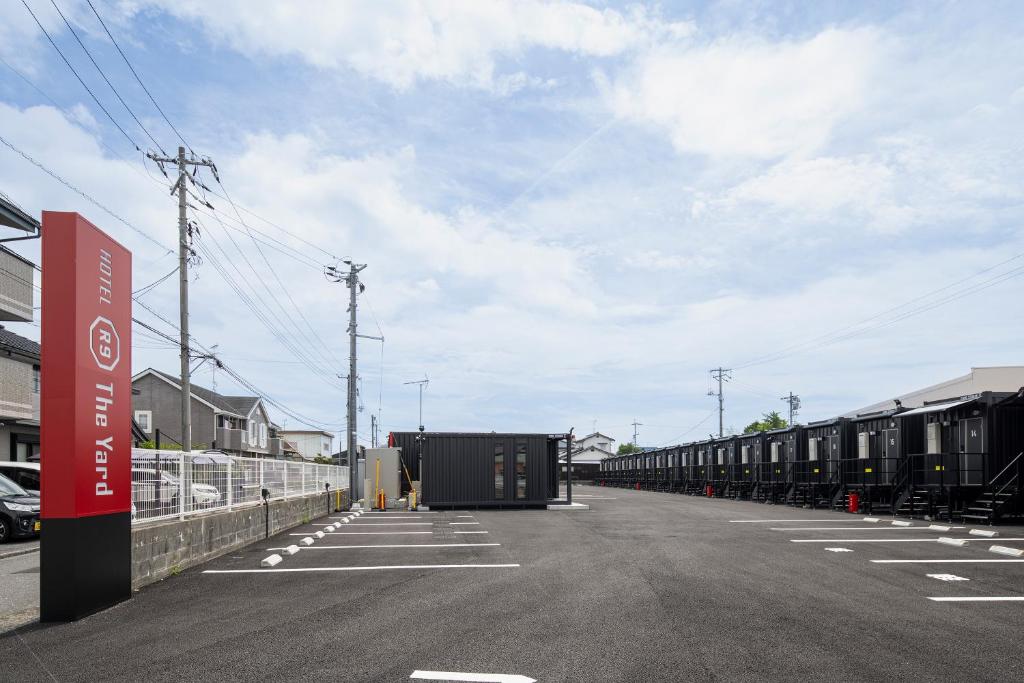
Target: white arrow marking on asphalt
x,y
478,678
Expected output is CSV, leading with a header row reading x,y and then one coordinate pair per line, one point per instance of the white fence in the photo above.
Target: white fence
x,y
174,484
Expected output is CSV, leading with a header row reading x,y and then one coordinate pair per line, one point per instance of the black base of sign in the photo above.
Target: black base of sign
x,y
85,565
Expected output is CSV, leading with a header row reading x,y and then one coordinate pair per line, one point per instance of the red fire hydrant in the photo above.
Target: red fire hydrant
x,y
853,503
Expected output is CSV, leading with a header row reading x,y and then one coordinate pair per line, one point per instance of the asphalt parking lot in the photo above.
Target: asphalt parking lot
x,y
643,586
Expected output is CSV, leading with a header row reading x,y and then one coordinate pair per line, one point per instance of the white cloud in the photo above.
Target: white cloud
x,y
744,96
399,43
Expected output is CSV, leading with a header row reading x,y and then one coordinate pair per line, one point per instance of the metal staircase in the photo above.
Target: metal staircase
x,y
1003,497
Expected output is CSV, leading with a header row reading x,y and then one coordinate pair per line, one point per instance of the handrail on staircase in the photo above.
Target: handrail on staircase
x,y
1003,471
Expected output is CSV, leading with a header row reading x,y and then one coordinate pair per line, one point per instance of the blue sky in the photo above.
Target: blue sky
x,y
570,212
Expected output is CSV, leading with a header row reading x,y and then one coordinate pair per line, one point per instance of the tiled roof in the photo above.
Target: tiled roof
x,y
225,403
17,343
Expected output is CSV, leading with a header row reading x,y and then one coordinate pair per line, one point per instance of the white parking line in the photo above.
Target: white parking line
x,y
856,528
391,523
398,512
464,516
360,569
773,521
397,545
469,532
862,540
942,561
1014,598
463,523
371,533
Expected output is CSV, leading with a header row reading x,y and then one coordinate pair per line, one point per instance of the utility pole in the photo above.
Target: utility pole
x,y
635,425
422,383
373,430
721,375
794,406
355,287
184,250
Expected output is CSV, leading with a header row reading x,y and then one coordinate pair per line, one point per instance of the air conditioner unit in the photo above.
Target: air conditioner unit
x,y
933,432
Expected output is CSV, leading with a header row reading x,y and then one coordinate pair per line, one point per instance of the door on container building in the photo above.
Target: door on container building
x,y
890,452
833,455
972,452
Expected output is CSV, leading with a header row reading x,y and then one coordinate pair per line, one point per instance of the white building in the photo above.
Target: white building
x,y
309,443
1001,378
587,454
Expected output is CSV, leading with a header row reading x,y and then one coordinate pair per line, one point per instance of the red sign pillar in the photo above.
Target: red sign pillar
x,y
85,419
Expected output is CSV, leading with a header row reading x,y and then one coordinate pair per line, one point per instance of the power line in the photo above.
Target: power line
x,y
273,271
136,75
145,290
104,76
675,439
87,89
325,374
237,377
71,187
849,331
319,365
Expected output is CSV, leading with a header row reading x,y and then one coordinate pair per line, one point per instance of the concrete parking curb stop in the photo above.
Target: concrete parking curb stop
x,y
1006,550
983,532
291,550
306,541
952,541
271,560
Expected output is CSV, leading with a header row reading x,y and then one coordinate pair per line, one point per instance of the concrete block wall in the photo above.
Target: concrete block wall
x,y
163,548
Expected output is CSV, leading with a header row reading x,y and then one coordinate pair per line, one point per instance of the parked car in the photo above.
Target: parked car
x,y
19,511
24,474
145,485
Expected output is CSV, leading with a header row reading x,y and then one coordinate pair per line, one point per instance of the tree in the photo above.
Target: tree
x,y
322,460
627,448
768,422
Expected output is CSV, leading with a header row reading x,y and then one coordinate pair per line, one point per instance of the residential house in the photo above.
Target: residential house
x,y
19,397
19,356
309,443
234,424
587,454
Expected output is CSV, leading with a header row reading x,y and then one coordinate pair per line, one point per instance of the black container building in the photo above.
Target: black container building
x,y
722,454
750,451
482,469
702,470
785,447
676,473
879,443
969,465
691,482
817,476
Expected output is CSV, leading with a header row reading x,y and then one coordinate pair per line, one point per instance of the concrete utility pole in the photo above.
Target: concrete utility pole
x,y
722,375
373,430
794,405
355,287
635,425
184,249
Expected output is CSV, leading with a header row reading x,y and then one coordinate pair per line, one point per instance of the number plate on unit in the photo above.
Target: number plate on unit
x,y
36,526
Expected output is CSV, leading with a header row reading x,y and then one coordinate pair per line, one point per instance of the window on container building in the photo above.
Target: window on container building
x,y
499,472
520,471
